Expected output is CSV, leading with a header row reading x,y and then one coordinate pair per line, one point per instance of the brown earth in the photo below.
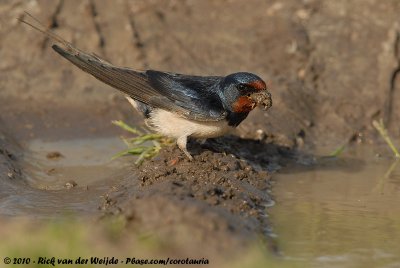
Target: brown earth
x,y
332,67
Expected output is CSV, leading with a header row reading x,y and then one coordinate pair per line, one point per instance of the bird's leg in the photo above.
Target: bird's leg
x,y
182,141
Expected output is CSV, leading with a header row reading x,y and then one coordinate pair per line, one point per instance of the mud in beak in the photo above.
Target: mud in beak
x,y
262,99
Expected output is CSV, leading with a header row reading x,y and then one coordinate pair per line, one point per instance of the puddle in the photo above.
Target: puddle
x,y
59,148
52,164
340,212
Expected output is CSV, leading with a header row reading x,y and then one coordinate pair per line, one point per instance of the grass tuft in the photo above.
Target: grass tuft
x,y
145,145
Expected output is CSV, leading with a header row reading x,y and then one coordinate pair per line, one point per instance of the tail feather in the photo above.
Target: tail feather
x,y
37,25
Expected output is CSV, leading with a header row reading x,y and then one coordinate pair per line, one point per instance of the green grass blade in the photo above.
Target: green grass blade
x,y
137,145
145,154
134,151
123,125
147,137
338,151
383,132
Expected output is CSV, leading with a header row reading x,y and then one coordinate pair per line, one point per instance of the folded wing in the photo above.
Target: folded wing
x,y
191,97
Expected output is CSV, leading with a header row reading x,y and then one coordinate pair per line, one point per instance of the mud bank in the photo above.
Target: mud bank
x,y
218,198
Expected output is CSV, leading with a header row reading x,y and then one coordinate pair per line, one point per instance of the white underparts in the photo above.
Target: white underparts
x,y
172,125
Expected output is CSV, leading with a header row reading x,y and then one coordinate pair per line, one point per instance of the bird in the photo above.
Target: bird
x,y
175,105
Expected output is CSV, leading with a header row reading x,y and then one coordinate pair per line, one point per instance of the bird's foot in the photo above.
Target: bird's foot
x,y
182,141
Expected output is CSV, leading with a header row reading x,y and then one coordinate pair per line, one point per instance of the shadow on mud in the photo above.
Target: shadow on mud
x,y
261,155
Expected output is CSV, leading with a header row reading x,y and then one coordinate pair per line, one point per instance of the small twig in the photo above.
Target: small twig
x,y
383,132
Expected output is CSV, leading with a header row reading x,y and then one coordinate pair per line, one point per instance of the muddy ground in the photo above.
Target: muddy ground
x,y
332,67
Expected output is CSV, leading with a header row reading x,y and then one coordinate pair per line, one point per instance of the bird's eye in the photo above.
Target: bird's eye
x,y
241,87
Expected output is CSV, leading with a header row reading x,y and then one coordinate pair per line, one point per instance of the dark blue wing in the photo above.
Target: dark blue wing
x,y
192,97
197,94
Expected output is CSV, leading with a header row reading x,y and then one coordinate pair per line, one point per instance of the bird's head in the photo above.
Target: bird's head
x,y
242,92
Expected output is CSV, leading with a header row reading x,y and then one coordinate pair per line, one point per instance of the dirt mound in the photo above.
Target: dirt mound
x,y
216,194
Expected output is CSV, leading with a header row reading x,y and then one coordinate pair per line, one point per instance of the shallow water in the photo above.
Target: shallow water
x,y
57,147
83,160
340,212
84,163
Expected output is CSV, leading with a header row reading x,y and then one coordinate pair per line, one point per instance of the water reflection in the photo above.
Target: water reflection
x,y
340,212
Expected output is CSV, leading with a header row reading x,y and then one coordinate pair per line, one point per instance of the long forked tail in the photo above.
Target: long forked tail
x,y
67,46
127,80
37,25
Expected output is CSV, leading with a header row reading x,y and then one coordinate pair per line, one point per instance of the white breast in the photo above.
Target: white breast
x,y
172,125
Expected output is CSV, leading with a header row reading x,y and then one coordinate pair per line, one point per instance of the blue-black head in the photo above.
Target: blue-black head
x,y
237,89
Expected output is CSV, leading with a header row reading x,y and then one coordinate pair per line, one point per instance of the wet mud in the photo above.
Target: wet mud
x,y
220,194
56,136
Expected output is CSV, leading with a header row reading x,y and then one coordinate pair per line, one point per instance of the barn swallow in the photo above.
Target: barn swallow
x,y
174,105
